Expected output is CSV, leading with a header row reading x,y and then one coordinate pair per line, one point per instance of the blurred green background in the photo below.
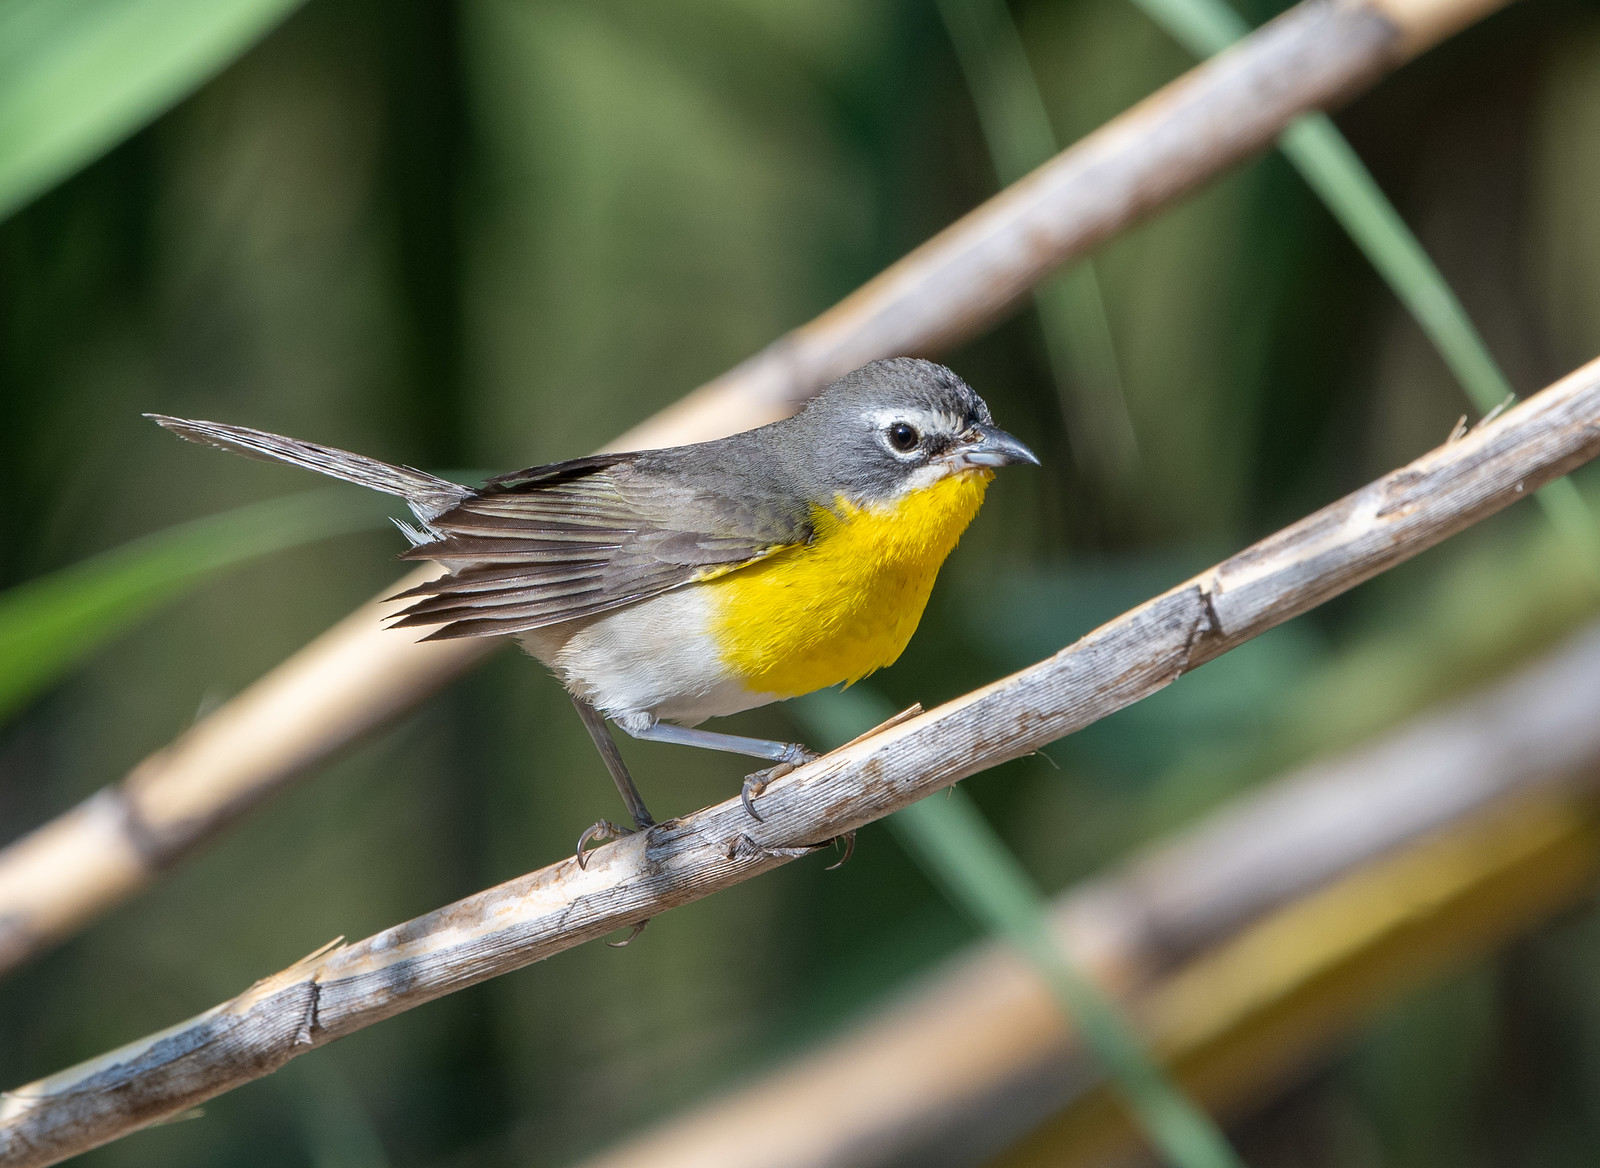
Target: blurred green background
x,y
499,232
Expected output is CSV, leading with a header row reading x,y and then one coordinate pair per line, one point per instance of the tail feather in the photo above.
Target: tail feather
x,y
427,495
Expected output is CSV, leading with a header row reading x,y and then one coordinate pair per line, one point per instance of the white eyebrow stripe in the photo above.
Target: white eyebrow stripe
x,y
925,420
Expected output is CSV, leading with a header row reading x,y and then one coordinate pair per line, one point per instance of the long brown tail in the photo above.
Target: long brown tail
x,y
428,495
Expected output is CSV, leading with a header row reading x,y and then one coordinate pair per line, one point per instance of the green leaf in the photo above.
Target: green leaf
x,y
1016,129
963,856
78,76
1334,171
49,624
961,853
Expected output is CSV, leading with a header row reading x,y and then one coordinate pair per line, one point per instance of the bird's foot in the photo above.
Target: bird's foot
x,y
849,839
638,928
756,785
599,833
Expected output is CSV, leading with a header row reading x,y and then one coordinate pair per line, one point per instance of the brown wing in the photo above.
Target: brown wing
x,y
579,538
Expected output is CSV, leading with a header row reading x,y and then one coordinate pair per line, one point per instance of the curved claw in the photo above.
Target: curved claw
x,y
599,832
638,928
849,838
752,789
755,785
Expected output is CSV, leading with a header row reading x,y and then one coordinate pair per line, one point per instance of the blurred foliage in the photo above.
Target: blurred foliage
x,y
961,854
49,624
1072,313
77,75
1326,161
499,232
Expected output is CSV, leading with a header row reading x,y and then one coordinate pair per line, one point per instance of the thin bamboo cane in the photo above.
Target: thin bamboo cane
x,y
348,987
357,675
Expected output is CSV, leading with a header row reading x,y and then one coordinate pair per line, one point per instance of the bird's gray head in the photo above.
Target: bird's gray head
x,y
896,426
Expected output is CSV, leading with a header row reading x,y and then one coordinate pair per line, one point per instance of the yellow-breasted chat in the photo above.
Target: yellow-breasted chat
x,y
664,587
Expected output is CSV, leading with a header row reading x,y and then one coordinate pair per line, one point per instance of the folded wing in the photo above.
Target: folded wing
x,y
576,539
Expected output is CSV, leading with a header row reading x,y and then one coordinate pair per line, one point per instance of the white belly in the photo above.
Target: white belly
x,y
654,659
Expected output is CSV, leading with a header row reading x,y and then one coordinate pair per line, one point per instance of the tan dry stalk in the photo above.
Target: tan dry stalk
x,y
977,1055
357,675
348,987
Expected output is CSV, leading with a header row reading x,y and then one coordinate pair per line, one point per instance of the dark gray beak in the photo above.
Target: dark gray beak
x,y
989,446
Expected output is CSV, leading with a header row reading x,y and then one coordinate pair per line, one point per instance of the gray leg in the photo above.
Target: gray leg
x,y
787,755
595,723
782,752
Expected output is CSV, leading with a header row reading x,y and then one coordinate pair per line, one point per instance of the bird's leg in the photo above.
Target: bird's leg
x,y
595,723
786,755
780,752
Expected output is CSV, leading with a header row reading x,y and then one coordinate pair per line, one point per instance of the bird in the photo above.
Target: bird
x,y
664,587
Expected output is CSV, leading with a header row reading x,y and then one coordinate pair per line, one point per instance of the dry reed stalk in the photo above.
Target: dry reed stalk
x,y
357,675
344,988
977,1055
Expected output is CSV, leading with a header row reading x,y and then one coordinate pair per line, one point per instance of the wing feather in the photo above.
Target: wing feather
x,y
576,539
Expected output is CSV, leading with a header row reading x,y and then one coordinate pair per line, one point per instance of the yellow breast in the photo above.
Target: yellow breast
x,y
845,604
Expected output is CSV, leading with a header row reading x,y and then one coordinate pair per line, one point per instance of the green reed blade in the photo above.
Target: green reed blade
x,y
49,624
950,839
1326,161
963,855
78,76
1072,314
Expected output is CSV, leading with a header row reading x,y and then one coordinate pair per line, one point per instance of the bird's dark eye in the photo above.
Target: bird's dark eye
x,y
903,436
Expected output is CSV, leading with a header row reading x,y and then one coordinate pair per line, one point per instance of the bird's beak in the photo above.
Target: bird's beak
x,y
988,446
